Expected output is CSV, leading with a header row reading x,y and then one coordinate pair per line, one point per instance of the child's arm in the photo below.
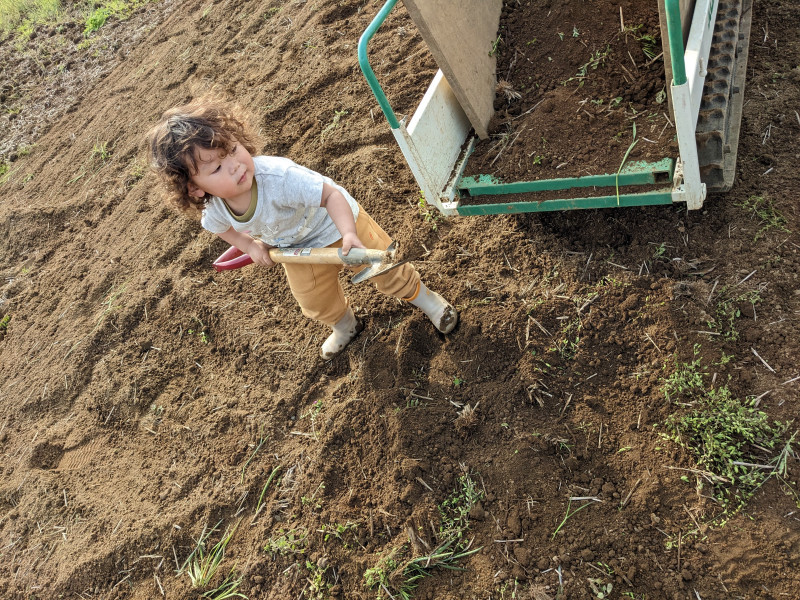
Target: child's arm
x,y
342,216
258,250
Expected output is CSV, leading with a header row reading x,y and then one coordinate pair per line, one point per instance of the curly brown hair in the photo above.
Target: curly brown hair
x,y
204,123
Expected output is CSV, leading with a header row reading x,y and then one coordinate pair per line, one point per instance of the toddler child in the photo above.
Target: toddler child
x,y
203,152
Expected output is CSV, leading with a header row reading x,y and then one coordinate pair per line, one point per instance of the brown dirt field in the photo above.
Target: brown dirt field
x,y
146,397
571,87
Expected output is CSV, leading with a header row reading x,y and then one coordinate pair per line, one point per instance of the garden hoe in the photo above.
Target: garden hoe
x,y
378,262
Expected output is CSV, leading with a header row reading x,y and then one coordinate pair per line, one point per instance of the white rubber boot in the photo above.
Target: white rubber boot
x,y
344,331
441,313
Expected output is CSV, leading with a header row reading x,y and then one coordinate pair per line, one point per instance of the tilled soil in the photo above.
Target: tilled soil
x,y
581,87
146,397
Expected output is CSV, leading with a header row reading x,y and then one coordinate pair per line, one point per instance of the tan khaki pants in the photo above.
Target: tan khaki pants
x,y
318,291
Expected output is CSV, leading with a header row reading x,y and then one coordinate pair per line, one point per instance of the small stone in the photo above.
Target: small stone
x,y
523,555
476,513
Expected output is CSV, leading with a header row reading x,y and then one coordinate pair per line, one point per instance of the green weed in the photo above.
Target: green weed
x,y
101,12
454,511
4,326
272,476
396,575
734,443
687,380
567,344
634,141
728,310
200,331
337,116
203,563
288,541
600,588
764,210
660,250
596,59
650,44
136,171
495,44
26,14
229,588
429,216
271,12
312,500
110,303
100,152
567,516
338,531
261,439
318,586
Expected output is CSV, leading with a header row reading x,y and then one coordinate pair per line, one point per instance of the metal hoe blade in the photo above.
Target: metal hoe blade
x,y
380,267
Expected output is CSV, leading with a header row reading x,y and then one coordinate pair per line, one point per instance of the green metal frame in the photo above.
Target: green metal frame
x,y
632,174
635,173
663,196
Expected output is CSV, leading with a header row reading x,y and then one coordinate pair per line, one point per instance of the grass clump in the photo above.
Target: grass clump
x,y
736,446
203,564
397,574
24,15
100,12
431,217
568,344
728,310
288,542
4,325
768,216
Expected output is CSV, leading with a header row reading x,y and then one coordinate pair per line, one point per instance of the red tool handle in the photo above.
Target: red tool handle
x,y
232,258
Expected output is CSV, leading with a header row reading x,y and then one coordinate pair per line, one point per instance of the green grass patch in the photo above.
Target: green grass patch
x,y
736,445
100,12
729,309
203,564
288,542
26,14
397,574
768,216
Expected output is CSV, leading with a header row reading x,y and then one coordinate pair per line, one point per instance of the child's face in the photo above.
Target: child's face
x,y
226,175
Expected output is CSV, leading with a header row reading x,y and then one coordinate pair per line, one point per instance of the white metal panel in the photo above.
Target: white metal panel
x,y
432,142
438,129
687,186
698,46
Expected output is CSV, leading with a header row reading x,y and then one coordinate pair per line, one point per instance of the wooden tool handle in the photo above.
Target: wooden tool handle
x,y
233,258
330,256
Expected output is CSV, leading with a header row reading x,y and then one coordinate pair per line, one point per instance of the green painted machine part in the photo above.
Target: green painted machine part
x,y
432,141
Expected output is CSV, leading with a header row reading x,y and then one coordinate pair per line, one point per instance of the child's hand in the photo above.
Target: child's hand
x,y
259,252
350,240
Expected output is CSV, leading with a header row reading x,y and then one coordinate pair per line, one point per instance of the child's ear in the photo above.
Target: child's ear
x,y
194,190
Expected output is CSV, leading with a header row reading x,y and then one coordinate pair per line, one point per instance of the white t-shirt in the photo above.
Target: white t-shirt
x,y
287,212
